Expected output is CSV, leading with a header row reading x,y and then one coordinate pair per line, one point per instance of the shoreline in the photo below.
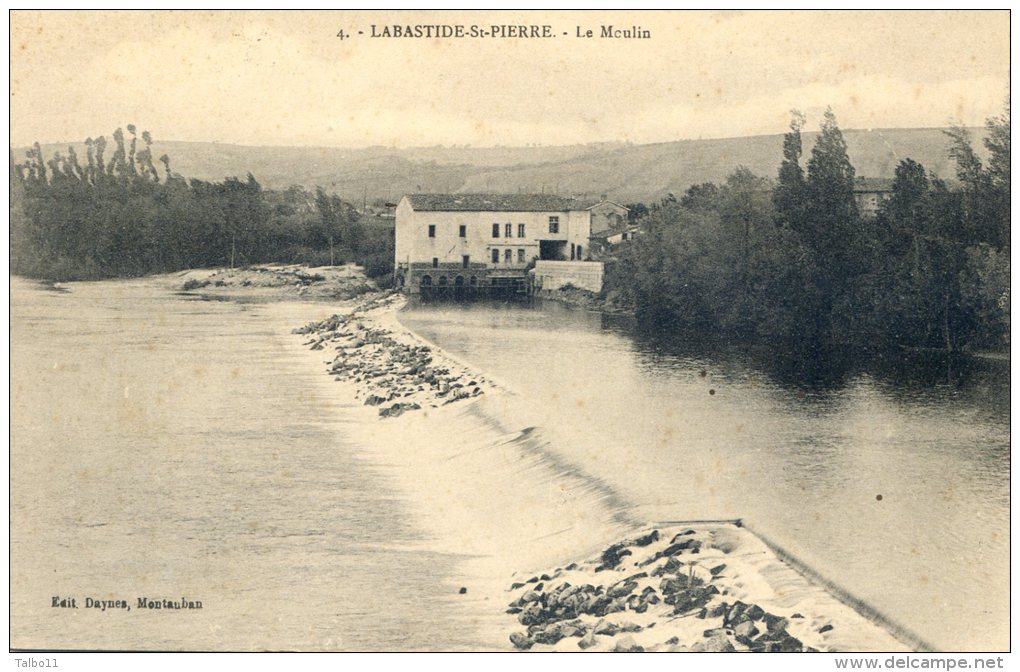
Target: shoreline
x,y
780,603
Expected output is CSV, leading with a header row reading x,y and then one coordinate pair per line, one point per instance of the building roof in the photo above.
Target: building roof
x,y
876,184
493,203
606,200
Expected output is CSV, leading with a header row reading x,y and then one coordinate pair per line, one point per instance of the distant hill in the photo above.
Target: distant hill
x,y
628,173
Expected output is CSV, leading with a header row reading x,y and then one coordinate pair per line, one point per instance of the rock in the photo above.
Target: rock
x,y
398,409
521,641
755,613
718,642
463,590
649,538
671,566
625,587
550,635
588,641
717,570
825,628
612,556
673,640
777,643
775,623
604,627
515,586
532,615
628,626
718,610
735,614
619,604
375,400
745,631
627,645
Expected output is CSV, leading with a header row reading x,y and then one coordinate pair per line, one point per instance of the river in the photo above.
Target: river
x,y
165,446
895,485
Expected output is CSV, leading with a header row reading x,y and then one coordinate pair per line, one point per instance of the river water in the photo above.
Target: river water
x,y
165,446
895,485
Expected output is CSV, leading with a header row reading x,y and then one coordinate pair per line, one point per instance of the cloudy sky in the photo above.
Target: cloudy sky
x,y
268,78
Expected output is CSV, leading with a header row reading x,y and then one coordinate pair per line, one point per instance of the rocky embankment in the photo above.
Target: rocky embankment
x,y
613,302
700,589
390,368
282,282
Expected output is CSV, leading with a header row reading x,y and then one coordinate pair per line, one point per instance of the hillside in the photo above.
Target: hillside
x,y
628,172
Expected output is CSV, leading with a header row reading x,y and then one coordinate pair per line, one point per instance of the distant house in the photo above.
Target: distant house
x,y
627,234
608,215
478,241
870,193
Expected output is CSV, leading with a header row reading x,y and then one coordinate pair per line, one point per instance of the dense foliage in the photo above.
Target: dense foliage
x,y
793,263
122,216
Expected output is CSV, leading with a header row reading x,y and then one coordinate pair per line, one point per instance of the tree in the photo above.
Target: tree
x,y
788,196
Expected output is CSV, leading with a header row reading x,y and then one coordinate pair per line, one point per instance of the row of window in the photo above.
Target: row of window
x,y
508,258
508,229
426,281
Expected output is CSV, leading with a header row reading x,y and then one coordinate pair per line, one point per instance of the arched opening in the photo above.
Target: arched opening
x,y
426,281
458,281
473,281
442,281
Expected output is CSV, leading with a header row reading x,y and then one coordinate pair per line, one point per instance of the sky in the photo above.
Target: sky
x,y
285,78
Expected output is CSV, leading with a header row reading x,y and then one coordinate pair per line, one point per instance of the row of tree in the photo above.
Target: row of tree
x,y
121,216
793,262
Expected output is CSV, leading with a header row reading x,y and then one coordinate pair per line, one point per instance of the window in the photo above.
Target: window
x,y
520,256
458,281
572,251
426,281
495,255
435,262
509,230
579,257
463,231
474,281
554,224
495,230
467,261
508,256
442,281
520,230
432,230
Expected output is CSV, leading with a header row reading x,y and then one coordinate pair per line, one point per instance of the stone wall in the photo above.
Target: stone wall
x,y
551,275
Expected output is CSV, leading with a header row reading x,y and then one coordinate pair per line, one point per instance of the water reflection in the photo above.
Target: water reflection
x,y
889,475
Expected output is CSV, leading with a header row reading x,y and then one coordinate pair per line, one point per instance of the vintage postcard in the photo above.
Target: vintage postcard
x,y
510,331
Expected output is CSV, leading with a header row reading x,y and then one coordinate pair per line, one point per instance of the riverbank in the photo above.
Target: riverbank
x,y
678,587
582,298
279,282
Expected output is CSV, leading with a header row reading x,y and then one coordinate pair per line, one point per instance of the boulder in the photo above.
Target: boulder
x,y
718,642
612,556
521,641
604,627
588,641
625,587
627,644
647,539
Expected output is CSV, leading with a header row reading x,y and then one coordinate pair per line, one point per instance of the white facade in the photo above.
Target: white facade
x,y
493,240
